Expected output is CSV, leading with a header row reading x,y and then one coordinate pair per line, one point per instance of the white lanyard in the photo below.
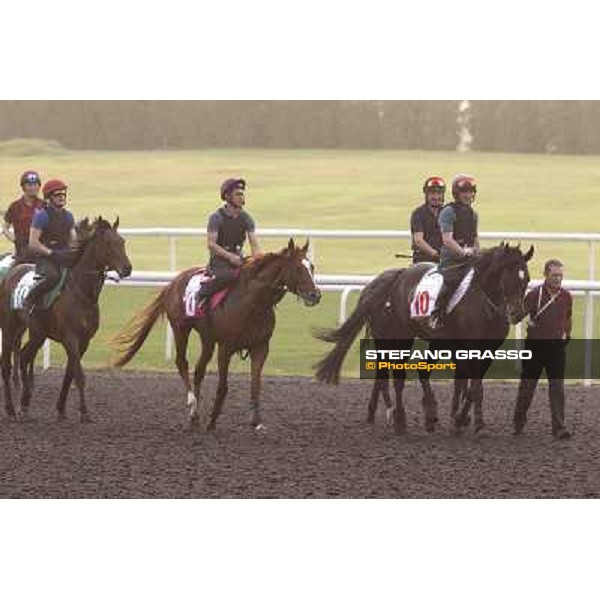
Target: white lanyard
x,y
543,308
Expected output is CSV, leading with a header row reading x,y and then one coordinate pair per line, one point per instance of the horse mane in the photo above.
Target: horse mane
x,y
254,266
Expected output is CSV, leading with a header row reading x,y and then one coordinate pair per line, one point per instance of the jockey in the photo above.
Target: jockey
x,y
458,223
424,226
226,233
51,237
20,213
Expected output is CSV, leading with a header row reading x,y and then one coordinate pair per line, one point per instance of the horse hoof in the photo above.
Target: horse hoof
x,y
61,415
479,426
85,418
195,421
259,428
430,426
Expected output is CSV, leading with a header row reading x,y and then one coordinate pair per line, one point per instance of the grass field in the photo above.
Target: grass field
x,y
339,189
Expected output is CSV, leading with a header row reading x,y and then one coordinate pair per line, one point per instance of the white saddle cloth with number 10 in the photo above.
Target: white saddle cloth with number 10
x,y
428,289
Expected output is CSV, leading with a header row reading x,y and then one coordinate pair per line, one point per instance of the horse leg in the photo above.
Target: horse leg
x,y
399,413
17,358
429,401
66,385
181,336
7,345
28,353
258,356
208,349
380,385
462,418
224,357
64,392
460,387
72,347
477,393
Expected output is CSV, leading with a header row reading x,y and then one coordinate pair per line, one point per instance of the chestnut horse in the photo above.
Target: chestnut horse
x,y
245,320
494,298
72,320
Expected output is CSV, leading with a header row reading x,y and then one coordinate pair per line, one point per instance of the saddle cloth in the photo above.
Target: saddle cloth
x,y
428,289
27,281
6,262
190,296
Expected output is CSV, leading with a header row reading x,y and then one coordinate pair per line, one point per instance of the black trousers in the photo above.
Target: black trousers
x,y
453,273
224,275
548,356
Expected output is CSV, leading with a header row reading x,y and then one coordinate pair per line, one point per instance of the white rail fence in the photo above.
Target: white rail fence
x,y
173,233
346,284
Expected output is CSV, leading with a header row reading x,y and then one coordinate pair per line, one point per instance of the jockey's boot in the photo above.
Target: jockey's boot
x,y
33,299
438,314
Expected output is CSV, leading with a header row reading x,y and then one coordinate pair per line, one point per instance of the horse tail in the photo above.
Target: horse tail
x,y
373,296
132,338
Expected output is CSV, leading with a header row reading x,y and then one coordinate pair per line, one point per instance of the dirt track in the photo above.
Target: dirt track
x,y
317,444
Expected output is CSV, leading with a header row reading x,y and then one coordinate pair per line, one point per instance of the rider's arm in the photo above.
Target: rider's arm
x,y
421,244
8,234
216,250
6,224
254,245
35,245
450,243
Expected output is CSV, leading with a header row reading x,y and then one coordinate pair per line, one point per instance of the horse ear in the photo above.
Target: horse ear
x,y
527,256
116,224
290,245
305,247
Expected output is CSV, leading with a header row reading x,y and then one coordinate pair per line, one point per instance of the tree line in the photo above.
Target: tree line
x,y
507,126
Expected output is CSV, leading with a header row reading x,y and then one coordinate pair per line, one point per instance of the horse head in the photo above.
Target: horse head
x,y
514,278
109,247
298,273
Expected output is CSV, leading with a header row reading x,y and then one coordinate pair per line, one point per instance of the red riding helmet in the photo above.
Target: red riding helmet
x,y
229,185
461,183
53,185
30,177
432,183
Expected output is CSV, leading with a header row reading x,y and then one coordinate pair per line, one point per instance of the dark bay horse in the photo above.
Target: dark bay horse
x,y
245,320
494,298
73,319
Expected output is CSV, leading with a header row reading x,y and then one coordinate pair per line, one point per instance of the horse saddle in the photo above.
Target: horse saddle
x,y
26,283
193,288
428,288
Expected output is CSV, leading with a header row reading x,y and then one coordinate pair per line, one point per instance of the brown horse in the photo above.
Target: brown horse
x,y
494,298
72,320
245,320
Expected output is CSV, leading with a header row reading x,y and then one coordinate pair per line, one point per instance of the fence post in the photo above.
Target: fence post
x,y
589,335
46,355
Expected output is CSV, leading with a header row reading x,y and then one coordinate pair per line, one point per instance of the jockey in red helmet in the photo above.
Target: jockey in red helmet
x,y
424,227
458,223
50,239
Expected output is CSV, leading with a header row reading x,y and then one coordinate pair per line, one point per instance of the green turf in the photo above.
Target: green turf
x,y
320,189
